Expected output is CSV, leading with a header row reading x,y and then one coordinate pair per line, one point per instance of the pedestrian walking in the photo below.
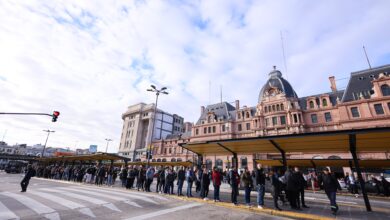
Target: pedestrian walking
x,y
234,181
181,176
248,184
216,178
330,185
30,172
260,183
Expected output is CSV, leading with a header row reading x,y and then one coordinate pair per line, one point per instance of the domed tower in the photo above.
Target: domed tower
x,y
278,111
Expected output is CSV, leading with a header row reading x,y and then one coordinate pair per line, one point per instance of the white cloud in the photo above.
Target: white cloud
x,y
90,60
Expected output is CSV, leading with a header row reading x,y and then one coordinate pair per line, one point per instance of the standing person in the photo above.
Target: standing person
x,y
260,182
330,185
204,184
291,188
276,188
248,184
351,183
109,175
376,184
30,172
181,176
234,181
161,188
158,179
169,179
149,178
141,178
386,186
114,175
302,184
190,177
216,177
199,173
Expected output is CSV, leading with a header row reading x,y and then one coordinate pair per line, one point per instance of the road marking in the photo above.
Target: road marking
x,y
64,202
327,200
85,198
5,213
125,193
36,206
116,198
163,212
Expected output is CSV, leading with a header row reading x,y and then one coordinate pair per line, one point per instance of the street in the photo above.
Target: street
x,y
46,199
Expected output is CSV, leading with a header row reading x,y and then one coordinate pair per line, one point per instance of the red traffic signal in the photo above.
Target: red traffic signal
x,y
55,116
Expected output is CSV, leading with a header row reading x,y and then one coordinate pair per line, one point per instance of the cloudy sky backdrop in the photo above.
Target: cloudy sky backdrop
x,y
91,59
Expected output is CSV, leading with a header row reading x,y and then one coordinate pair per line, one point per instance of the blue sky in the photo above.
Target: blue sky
x,y
91,59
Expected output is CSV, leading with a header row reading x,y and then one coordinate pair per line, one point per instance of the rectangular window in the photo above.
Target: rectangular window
x,y
239,127
388,105
328,117
223,128
379,109
204,130
248,126
314,118
274,120
355,112
295,118
209,129
282,120
214,129
196,131
267,122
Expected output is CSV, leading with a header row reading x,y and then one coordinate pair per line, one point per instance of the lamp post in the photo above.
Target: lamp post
x,y
44,147
157,92
108,140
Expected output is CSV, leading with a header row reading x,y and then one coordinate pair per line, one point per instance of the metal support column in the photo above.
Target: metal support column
x,y
352,148
235,161
200,161
351,167
282,152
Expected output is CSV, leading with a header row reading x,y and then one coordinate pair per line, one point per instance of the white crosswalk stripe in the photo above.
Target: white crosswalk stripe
x,y
85,198
5,213
130,194
34,205
64,202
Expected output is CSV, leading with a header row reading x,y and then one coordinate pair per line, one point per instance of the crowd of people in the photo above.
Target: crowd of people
x,y
286,186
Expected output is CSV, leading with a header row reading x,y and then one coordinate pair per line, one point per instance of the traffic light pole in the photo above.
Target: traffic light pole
x,y
12,113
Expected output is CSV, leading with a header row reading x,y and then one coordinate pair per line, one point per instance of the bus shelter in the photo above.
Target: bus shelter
x,y
352,141
154,164
88,158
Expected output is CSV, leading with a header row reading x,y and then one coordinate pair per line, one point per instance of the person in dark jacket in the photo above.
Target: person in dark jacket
x,y
292,188
199,173
330,185
216,177
260,183
190,177
204,184
301,188
163,173
234,181
26,179
181,176
276,187
141,179
386,186
169,179
248,184
158,179
376,183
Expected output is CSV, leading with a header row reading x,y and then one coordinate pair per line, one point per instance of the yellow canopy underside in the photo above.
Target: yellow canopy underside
x,y
327,162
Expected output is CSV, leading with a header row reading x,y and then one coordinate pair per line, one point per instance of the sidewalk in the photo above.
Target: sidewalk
x,y
350,207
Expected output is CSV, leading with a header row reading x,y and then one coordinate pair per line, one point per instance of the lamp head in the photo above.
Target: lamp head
x,y
153,86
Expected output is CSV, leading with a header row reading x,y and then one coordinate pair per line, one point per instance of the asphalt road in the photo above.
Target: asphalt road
x,y
53,200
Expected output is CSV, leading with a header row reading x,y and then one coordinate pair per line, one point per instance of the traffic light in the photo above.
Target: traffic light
x,y
55,116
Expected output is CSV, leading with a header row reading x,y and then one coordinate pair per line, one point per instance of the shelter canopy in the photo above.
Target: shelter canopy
x,y
140,163
87,157
327,162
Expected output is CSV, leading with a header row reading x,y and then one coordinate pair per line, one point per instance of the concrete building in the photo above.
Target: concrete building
x,y
138,130
365,103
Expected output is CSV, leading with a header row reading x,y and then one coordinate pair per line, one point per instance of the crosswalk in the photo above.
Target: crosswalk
x,y
51,203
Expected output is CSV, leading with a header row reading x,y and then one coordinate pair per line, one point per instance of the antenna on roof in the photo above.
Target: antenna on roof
x,y
368,61
221,93
284,55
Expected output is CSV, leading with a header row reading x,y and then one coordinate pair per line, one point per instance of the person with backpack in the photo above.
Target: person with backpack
x,y
26,179
234,181
190,177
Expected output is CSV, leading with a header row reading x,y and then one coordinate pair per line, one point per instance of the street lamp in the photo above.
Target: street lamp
x,y
157,91
108,140
48,133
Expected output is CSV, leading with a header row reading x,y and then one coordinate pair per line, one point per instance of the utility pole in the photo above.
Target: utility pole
x,y
44,147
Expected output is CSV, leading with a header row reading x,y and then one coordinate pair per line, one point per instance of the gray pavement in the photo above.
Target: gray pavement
x,y
46,199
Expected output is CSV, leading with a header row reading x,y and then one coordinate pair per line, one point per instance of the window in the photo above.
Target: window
x,y
204,130
324,102
267,122
385,90
379,109
281,107
239,127
196,131
244,162
247,115
265,109
223,128
209,129
388,105
219,163
214,129
295,118
282,120
328,117
314,118
273,108
277,107
274,120
248,126
311,104
355,112
238,115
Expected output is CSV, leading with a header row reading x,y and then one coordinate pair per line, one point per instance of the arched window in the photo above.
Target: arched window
x,y
281,107
333,157
164,160
173,160
219,163
179,160
153,160
265,109
158,160
247,115
209,164
277,107
311,104
244,162
324,102
385,90
273,108
269,108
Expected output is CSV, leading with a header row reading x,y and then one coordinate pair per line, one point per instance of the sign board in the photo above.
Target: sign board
x,y
93,148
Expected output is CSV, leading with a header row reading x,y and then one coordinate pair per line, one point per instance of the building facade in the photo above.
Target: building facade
x,y
138,131
365,103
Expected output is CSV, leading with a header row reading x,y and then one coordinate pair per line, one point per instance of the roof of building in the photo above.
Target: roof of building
x,y
184,135
276,80
222,110
332,96
360,83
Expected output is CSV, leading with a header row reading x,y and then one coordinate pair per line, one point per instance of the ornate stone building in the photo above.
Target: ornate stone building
x,y
364,103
